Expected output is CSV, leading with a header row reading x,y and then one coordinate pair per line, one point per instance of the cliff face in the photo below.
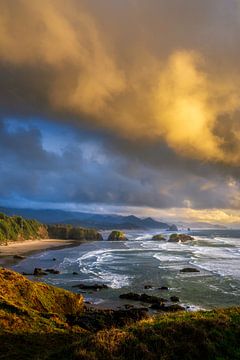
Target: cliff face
x,y
73,233
16,228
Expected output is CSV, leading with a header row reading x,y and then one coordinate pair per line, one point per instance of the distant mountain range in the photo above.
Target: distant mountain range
x,y
202,225
98,221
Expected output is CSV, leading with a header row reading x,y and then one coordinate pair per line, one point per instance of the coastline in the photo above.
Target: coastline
x,y
28,247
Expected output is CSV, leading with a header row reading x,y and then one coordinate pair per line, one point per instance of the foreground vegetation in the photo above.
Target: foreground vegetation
x,y
38,321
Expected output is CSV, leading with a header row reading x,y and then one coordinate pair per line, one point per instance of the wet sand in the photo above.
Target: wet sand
x,y
28,247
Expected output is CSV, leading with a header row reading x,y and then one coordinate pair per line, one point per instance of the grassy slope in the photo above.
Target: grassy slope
x,y
34,325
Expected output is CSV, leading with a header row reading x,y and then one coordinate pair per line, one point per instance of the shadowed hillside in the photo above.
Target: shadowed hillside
x,y
89,220
38,321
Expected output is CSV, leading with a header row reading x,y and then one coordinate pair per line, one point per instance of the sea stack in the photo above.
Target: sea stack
x,y
180,238
117,235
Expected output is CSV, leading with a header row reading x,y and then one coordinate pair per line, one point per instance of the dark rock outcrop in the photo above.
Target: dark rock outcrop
x,y
186,270
94,287
163,288
146,287
174,299
174,307
180,238
167,308
117,235
39,272
142,297
52,271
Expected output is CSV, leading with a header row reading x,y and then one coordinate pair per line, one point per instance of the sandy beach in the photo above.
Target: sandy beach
x,y
28,247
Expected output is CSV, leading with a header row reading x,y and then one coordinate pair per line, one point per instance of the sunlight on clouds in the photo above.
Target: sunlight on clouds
x,y
177,99
211,216
188,105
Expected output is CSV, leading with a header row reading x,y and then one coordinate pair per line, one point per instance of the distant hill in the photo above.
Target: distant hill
x,y
89,220
202,225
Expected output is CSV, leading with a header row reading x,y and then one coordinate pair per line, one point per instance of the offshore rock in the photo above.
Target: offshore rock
x,y
180,238
94,287
186,270
117,235
39,272
158,237
142,297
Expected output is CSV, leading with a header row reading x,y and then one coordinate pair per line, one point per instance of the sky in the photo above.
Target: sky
x,y
124,107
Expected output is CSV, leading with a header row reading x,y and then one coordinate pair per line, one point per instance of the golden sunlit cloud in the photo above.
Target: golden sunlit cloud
x,y
188,108
185,214
177,99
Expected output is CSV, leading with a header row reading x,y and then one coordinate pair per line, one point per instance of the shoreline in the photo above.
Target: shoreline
x,y
28,247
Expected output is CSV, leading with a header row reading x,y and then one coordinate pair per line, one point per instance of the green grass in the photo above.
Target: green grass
x,y
34,325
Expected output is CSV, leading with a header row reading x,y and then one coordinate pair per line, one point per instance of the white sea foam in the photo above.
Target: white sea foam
x,y
122,264
214,253
96,264
169,258
229,268
228,241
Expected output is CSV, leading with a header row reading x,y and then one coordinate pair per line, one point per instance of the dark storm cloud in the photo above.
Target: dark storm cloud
x,y
86,171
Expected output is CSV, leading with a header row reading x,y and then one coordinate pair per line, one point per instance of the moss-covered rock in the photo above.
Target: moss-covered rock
x,y
117,235
180,238
158,237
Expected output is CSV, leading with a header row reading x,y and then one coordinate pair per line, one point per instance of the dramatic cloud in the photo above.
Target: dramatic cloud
x,y
84,171
162,82
154,84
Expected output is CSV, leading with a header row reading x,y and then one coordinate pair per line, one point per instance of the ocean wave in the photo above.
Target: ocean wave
x,y
229,241
224,269
95,264
169,258
213,253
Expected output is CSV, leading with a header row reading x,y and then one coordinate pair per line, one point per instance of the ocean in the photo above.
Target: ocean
x,y
130,265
